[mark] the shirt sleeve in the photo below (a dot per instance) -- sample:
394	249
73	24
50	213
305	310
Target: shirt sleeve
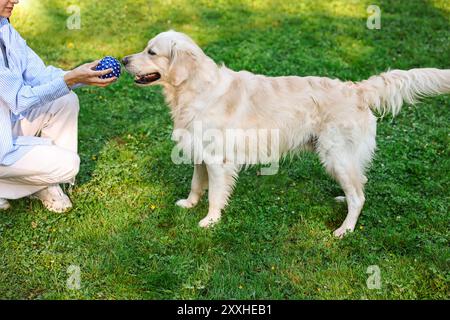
36	71
20	97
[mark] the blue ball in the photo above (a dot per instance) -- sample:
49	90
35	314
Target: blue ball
110	63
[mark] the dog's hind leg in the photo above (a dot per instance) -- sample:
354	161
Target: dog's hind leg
351	182
347	170
222	178
346	149
342	199
198	186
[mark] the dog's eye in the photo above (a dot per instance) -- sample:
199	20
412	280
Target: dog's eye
151	52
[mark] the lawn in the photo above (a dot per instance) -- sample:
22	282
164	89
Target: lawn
275	240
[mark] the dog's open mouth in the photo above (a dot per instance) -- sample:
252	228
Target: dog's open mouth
147	78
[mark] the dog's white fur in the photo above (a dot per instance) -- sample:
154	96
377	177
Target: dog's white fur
332	117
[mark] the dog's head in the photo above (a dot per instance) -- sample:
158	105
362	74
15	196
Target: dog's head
169	58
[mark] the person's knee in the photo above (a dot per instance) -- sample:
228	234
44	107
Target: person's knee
71	167
73	102
74	166
68	168
67	104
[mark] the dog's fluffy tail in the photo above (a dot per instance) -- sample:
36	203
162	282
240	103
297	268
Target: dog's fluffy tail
386	92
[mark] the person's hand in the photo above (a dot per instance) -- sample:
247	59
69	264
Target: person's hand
86	74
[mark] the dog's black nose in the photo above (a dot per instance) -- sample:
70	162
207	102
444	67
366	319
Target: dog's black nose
125	61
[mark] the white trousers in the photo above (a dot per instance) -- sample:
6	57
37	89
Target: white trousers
45	165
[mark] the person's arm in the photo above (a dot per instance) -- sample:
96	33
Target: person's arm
20	97
37	72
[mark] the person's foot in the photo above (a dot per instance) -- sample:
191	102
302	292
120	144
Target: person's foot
4	204
54	199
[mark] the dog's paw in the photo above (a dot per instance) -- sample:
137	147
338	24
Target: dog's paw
342	231
208	221
185	203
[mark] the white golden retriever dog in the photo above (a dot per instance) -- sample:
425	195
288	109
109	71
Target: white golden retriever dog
329	116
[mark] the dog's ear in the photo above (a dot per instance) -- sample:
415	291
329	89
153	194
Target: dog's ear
182	64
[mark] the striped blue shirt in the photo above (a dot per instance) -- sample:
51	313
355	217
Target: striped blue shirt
25	83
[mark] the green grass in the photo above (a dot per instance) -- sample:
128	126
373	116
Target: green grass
275	241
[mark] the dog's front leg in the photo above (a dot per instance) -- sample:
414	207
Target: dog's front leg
198	186
222	178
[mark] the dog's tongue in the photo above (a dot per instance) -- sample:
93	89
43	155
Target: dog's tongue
148	78
151	77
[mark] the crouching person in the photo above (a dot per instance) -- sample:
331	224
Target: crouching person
41	153
38	120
